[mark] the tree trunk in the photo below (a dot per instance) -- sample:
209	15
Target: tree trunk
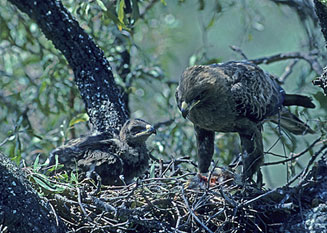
103	99
21	208
321	11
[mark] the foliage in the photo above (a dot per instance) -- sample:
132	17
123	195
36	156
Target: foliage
40	105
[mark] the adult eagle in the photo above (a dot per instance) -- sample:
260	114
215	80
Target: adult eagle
236	96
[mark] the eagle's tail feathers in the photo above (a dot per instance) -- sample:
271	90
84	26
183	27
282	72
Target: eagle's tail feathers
291	123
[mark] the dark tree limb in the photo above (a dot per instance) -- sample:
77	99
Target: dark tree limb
309	57
304	8
321	11
93	75
21	208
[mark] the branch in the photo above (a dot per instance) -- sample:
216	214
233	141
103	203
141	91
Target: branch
295	156
322	81
303	8
321	11
92	71
307	56
21	208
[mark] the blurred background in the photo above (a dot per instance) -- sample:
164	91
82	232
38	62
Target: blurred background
149	44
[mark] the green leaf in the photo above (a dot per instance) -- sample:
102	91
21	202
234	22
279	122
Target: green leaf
136	10
82	117
111	14
100	3
163	2
43	181
73	178
36	165
121	14
212	22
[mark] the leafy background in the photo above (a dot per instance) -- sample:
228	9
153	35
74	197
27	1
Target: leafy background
40	107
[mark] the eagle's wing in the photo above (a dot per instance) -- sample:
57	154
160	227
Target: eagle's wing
255	93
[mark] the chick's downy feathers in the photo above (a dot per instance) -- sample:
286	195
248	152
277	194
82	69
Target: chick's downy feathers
124	156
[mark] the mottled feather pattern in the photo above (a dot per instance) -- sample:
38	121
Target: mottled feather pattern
255	93
125	154
235	96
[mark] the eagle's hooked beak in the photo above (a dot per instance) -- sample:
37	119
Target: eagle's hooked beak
186	108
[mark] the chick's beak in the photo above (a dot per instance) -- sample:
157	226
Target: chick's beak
150	129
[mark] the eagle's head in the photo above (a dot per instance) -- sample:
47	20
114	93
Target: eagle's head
196	87
136	131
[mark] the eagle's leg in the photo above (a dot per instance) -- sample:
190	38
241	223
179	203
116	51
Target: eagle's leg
252	147
205	147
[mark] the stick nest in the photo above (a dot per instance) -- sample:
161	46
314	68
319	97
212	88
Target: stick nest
173	200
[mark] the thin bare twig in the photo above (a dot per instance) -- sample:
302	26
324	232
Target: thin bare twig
295	156
79	198
192	213
147	8
239	51
288	70
313	158
309	57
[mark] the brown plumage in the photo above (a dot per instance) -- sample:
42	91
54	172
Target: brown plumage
235	97
124	156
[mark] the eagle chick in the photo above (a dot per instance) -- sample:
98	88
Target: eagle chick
124	155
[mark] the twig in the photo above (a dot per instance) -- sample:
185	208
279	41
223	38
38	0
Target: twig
54	213
307	56
103	205
148	7
295	156
164	123
258	197
287	72
227	198
239	51
178	216
313	158
81	204
210	174
192	213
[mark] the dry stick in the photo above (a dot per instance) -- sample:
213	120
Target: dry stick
295	156
81	204
291	181
258	197
55	214
307	56
192	213
99	204
178	216
287	72
313	158
309	164
210	174
239	51
148	7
